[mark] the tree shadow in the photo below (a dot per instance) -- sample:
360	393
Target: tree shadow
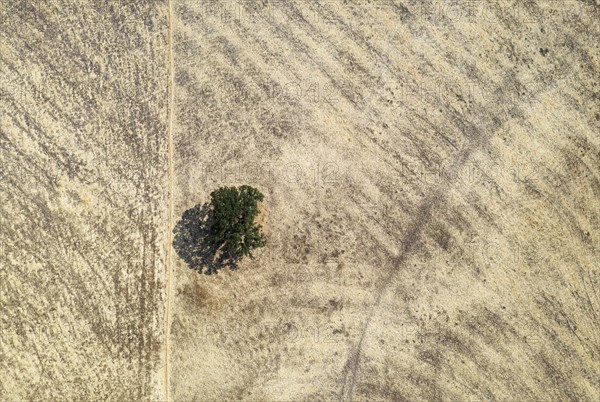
191	243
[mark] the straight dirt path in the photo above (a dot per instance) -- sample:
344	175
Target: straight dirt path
170	180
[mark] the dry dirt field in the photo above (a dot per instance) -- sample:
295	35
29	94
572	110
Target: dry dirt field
83	200
431	172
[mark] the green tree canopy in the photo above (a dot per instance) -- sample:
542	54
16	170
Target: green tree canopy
233	230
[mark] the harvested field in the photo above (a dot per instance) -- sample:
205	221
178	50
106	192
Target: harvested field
84	206
431	173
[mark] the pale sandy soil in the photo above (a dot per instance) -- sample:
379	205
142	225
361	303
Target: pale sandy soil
83	200
431	177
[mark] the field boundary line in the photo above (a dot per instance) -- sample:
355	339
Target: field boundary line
169	262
